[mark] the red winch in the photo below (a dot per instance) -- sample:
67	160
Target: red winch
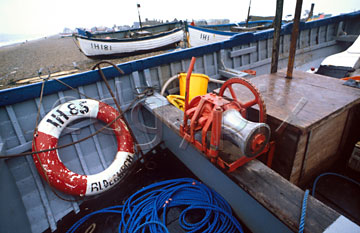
211	117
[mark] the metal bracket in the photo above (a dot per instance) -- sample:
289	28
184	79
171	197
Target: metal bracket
155	101
40	73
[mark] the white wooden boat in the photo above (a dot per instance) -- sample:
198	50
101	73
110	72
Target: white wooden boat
129	42
202	36
207	34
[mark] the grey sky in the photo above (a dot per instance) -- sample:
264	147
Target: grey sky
50	17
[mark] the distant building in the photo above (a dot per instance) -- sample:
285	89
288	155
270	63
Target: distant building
123	28
217	21
257	18
67	32
152	22
101	29
211	21
200	22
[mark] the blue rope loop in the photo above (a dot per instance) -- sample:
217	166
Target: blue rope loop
332	174
304	204
303	211
147	209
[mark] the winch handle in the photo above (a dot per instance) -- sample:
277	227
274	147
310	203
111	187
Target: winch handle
191	67
257	96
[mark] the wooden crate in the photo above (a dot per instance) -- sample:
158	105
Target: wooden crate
309	116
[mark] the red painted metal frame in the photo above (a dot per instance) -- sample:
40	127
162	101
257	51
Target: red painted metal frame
230	167
206	111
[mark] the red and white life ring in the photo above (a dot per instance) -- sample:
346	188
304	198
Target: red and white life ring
57	174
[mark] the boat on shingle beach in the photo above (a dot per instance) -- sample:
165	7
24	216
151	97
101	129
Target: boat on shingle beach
130	42
207	34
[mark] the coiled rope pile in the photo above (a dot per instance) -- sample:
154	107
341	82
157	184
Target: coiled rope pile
147	209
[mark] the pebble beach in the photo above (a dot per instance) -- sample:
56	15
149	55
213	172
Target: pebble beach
22	61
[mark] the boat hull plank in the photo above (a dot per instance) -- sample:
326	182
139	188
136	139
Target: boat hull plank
11	199
244	51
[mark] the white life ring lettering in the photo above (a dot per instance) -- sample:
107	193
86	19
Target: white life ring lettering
56	173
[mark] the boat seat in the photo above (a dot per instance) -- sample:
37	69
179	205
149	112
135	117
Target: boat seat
232	73
349	58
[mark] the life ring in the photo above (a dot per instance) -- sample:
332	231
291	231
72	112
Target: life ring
57	174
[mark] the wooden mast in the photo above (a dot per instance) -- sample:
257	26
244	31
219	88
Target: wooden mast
294	35
276	41
138	6
248	15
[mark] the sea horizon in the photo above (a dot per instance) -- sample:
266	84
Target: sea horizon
12	39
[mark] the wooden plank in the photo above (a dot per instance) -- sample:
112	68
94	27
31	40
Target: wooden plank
286	147
299	158
170	115
215	60
235	60
252	55
347	38
323	147
242	57
232	73
137	83
350	136
148	80
275	193
39	184
282	198
269	48
53	75
284	55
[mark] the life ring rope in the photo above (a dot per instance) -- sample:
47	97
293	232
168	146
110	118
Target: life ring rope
57	174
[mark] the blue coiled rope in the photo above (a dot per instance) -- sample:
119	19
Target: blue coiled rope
147	208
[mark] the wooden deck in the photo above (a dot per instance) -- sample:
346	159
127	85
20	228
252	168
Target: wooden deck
310	118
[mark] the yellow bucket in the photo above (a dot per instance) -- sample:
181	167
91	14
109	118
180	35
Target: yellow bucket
198	84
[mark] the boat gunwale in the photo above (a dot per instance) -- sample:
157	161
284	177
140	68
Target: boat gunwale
180	23
126	40
210	30
234	24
